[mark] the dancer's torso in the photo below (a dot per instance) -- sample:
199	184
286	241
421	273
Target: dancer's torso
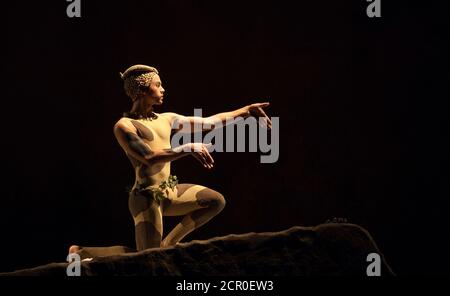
156	134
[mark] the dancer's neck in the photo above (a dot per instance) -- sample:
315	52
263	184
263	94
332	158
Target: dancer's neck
140	108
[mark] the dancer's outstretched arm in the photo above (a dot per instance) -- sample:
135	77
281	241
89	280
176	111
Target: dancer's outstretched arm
192	123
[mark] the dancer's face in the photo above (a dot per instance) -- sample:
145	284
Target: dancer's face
155	93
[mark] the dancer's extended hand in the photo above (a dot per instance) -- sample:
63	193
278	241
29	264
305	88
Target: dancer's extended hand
201	152
256	110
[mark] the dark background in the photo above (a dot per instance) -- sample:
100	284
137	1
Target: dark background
362	105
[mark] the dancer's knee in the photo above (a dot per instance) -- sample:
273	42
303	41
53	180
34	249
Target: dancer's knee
220	202
212	200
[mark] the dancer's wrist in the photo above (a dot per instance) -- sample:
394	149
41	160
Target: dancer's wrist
187	148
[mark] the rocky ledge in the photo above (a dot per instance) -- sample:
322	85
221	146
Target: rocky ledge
326	249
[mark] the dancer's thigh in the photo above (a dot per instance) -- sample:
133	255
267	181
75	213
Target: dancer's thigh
188	198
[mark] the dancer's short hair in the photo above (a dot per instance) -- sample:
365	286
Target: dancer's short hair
137	79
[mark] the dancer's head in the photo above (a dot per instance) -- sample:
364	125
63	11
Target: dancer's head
142	82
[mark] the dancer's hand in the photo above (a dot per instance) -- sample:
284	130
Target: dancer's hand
256	110
201	153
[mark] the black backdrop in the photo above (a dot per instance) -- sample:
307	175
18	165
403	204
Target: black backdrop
362	108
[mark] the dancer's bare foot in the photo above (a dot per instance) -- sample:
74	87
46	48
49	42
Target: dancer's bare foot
74	249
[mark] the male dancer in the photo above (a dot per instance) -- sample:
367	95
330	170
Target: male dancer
144	136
